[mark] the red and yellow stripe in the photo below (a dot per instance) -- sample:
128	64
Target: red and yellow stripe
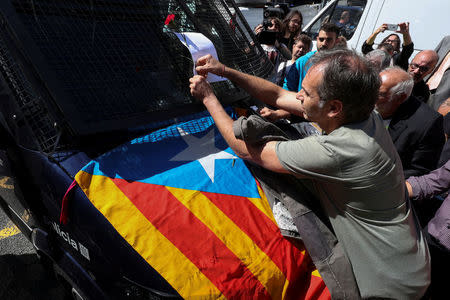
208	250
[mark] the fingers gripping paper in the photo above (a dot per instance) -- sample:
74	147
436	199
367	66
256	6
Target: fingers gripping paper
199	45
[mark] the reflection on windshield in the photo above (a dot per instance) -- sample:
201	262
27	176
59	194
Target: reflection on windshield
345	14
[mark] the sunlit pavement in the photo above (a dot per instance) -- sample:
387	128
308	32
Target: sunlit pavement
22	277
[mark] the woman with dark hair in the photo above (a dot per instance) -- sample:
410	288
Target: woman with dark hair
292	26
400	57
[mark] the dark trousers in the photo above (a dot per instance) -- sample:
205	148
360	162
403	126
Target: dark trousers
440	267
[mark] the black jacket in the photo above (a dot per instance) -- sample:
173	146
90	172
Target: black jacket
421	91
418	135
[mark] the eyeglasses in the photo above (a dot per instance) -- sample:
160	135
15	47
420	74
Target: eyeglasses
393	41
421	69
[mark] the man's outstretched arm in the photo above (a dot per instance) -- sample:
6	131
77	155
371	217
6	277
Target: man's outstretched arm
259	88
263	155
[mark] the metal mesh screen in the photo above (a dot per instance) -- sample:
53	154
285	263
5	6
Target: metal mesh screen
112	64
32	112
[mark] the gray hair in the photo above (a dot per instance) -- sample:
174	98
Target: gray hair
404	87
349	78
380	59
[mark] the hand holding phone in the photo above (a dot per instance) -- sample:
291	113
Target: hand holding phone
392	27
403	28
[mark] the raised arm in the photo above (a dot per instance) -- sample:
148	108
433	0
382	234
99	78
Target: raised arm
373	36
404	30
258	88
263	155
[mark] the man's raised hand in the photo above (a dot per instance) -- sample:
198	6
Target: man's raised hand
208	64
200	88
382	28
403	28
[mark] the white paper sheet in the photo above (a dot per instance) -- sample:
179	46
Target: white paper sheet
199	45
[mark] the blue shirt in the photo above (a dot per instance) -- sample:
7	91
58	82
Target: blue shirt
293	80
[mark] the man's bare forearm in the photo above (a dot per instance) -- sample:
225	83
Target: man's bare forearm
406	39
263	155
259	88
265	91
225	125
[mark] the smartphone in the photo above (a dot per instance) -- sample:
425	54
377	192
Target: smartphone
392	27
267	37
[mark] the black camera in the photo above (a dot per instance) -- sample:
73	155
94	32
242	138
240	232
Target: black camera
278	10
266	24
267	37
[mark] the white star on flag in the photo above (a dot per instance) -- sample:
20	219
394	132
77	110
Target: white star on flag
203	150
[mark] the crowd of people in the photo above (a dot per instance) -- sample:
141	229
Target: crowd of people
377	159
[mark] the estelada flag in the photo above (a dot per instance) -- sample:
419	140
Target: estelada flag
190	207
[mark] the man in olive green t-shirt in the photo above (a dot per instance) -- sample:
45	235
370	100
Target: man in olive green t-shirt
356	172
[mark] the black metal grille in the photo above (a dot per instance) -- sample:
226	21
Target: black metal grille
32	112
112	64
202	122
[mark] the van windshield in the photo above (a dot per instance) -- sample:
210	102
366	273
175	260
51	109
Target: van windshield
344	13
101	66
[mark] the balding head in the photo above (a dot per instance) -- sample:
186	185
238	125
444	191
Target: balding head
396	87
422	64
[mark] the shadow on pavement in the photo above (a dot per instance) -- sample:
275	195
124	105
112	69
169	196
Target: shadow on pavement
23	277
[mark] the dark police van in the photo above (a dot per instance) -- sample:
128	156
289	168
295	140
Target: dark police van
77	79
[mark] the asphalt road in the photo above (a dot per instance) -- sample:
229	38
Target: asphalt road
22	276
